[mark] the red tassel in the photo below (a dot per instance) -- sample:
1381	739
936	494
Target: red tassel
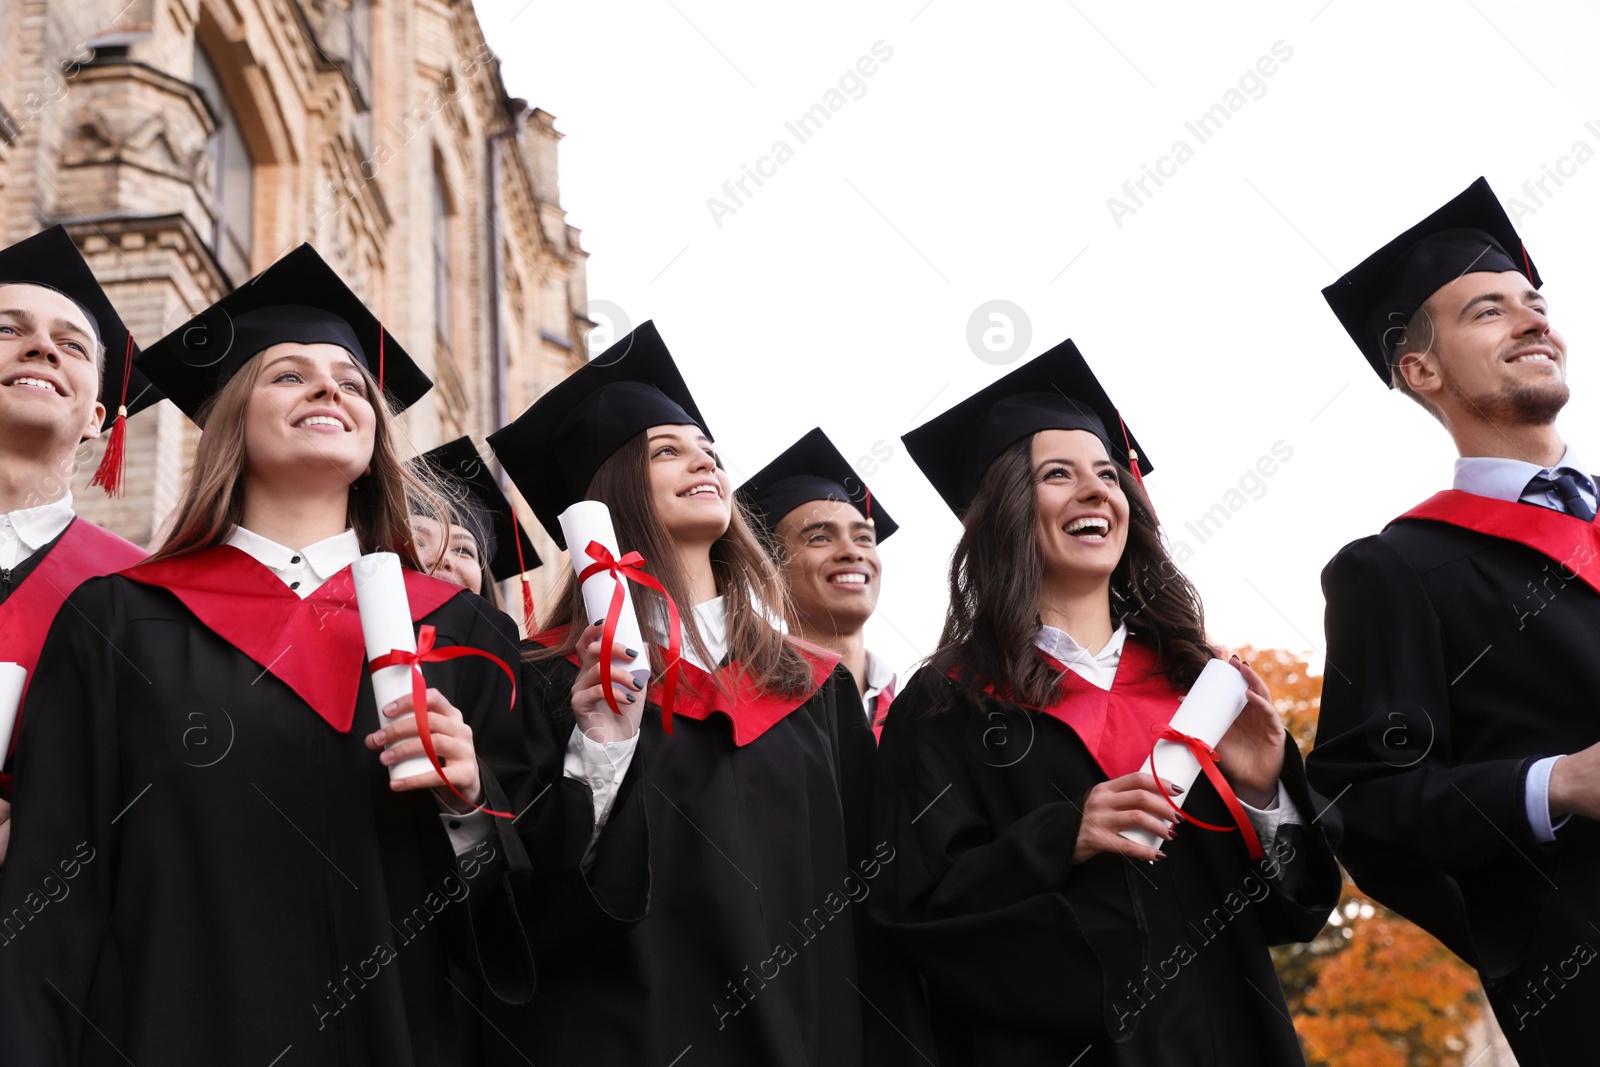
522	568
109	474
868	502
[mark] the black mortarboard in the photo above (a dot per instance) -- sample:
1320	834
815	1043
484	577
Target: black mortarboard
1470	234
297	299
810	469
50	258
1054	391
553	449
487	512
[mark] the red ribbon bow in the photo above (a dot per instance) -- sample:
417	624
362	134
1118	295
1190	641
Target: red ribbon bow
1207	757
426	653
631	566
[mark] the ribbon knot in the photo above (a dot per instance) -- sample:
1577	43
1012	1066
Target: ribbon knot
631	568
427	653
1208	759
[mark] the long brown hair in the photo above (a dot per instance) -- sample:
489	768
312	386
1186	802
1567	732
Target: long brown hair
997	573
747	579
380	502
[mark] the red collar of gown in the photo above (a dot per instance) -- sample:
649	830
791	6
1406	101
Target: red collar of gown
1566	539
312	645
1115	725
750	709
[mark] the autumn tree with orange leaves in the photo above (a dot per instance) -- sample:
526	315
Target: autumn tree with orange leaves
1372	989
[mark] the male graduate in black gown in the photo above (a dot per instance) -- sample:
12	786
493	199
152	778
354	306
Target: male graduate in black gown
1458	731
823	525
62	346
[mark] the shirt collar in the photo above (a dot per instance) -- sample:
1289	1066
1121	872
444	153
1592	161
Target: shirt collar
880	675
1059	646
323	559
37	526
1500	478
711	619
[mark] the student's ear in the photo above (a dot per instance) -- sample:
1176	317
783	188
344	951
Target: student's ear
1421	372
97	418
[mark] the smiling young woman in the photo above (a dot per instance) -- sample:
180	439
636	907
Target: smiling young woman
203	737
704	857
1016	759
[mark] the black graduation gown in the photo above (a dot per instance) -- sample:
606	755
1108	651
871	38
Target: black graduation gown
1455	660
719	917
1031	959
203	870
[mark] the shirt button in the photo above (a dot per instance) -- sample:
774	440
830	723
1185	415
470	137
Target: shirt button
294	559
294	585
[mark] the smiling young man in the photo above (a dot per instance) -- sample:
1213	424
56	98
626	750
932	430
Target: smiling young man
60	339
823	526
1458	729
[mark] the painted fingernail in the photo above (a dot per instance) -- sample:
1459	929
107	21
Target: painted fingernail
1176	788
638	685
631	654
632	698
1161	856
598	622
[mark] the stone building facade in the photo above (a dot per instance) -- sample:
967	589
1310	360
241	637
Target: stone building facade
186	144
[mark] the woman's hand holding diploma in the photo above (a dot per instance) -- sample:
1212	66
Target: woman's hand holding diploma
1131	802
1251	752
452	743
589	708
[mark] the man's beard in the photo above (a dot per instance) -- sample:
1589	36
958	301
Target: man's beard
1519	405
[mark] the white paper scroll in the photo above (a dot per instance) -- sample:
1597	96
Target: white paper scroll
386	626
590	520
13	679
1215	700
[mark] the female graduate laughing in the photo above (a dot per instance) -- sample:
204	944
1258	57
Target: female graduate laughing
1014	759
210	862
717	860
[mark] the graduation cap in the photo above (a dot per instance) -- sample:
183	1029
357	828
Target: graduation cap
552	450
486	510
1470	234
810	469
298	299
51	259
1054	391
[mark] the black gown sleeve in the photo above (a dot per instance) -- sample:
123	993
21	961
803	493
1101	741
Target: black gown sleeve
498	869
982	914
588	895
56	886
1384	741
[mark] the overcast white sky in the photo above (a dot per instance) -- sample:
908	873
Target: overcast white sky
975	163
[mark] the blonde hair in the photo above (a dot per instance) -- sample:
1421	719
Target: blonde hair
380	501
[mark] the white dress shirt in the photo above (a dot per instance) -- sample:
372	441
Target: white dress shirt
303	570
26	530
1505	479
603	766
1100	668
880	676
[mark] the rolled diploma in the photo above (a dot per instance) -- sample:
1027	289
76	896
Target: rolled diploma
385	626
1213	702
590	520
13	679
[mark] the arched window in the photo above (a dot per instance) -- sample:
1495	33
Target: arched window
441	258
233	196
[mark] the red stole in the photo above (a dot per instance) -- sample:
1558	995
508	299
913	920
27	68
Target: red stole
314	646
84	551
1116	725
751	711
881	715
1566	539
